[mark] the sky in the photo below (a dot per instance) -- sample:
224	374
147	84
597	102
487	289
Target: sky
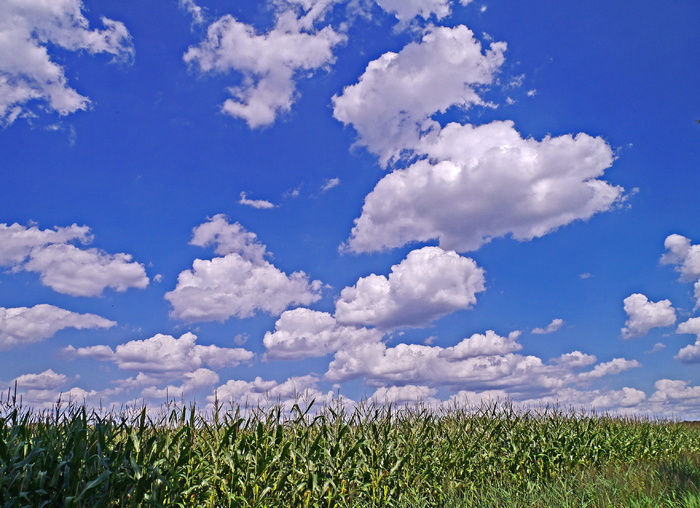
445	201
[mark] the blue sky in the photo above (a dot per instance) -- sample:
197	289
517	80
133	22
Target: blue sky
427	199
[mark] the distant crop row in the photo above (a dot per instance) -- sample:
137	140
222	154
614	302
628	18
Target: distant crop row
372	455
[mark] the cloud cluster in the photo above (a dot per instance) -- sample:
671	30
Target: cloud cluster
64	267
164	356
43	390
428	284
269	62
464	184
238	283
644	315
25	325
28	29
480	362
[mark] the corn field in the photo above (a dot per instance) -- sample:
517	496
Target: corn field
372	455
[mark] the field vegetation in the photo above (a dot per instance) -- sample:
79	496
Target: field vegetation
371	455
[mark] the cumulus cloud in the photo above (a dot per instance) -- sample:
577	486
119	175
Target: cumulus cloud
260	204
47	380
200	378
64	267
44	390
404	395
552	327
25	325
485	182
28	30
429	283
691	353
261	393
239	283
271	62
614	366
686	258
305	333
407	9
228	239
480	362
164	356
391	104
593	399
644	315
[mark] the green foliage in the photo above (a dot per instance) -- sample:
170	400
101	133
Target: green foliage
494	455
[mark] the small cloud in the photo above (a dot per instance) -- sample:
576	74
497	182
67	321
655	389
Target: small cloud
240	339
158	277
293	193
255	203
430	340
510	101
552	327
585	275
531	93
330	183
516	81
194	9
656	348
483	8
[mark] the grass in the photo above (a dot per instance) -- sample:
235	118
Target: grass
494	455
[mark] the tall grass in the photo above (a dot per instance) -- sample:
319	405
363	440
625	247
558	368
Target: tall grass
372	455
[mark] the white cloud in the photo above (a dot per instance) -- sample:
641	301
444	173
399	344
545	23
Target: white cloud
481	362
486	182
164	356
575	360
28	30
614	366
330	183
305	333
85	272
685	256
428	284
644	315
271	62
393	101
228	239
691	353
64	267
594	399
255	203
487	344
24	325
261	393
408	9
404	395
675	391
195	11
239	283
200	378
47	380
552	327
